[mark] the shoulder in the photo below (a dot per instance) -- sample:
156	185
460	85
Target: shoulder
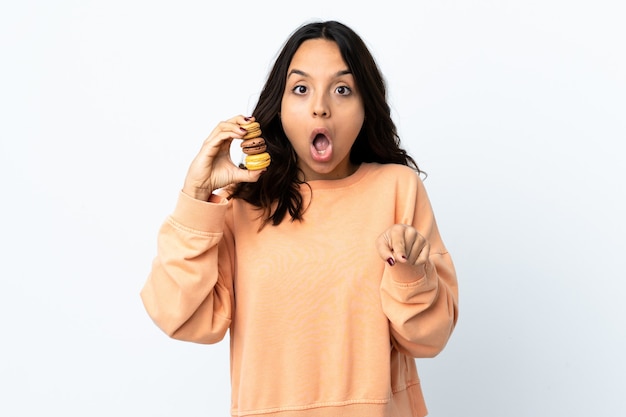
394	172
399	183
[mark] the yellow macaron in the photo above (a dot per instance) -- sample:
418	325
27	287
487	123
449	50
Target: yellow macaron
253	129
258	161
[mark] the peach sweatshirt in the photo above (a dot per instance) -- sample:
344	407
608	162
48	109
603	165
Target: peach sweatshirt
320	325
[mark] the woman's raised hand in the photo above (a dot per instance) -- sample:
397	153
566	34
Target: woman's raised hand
404	244
212	168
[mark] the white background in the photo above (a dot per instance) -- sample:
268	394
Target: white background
516	109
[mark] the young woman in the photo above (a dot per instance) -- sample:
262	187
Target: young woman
327	268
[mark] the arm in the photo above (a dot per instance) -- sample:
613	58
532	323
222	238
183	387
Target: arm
188	293
419	292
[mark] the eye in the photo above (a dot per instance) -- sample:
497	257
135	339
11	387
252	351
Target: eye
299	89
343	90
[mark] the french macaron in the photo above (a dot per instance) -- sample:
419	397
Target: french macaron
253	129
253	146
257	161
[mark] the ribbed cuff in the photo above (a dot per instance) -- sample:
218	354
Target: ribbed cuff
201	215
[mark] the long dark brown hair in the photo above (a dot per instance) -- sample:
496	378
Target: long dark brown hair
378	140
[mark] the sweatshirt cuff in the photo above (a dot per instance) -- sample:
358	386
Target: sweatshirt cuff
204	216
404	274
408	283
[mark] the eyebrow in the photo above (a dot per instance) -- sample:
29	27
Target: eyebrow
304	74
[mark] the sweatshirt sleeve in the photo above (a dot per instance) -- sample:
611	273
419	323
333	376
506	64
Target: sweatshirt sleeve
189	291
421	301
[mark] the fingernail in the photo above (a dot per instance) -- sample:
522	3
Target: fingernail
247	119
242	129
391	261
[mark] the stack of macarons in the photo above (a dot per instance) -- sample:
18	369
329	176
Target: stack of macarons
253	146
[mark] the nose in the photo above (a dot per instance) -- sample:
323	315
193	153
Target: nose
320	106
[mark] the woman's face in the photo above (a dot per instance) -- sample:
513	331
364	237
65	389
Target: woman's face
321	110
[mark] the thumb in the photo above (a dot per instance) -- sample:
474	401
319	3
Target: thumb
247	175
383	245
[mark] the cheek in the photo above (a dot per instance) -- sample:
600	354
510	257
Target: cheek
290	117
292	108
286	108
354	126
355	116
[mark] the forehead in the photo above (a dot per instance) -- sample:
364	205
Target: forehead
315	53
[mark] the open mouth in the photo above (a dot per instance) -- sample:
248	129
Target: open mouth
321	146
321	143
